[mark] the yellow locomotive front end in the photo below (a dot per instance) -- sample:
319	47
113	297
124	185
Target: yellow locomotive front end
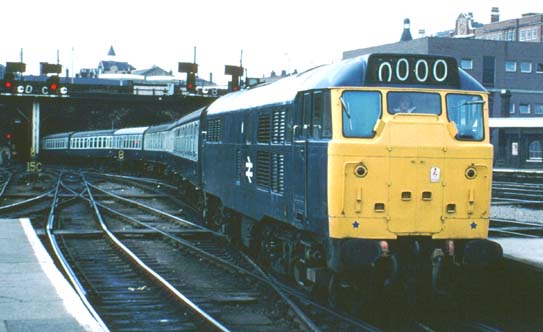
422	170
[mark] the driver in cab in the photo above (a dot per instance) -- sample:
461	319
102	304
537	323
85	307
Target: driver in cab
405	105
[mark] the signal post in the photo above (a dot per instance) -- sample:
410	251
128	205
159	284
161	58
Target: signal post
13	86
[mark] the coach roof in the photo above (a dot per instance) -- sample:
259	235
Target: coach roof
130	131
93	133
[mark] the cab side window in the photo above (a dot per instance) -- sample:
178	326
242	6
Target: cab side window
316	115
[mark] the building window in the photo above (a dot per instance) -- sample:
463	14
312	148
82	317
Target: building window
510	66
538	108
534	151
524	108
466	64
512	108
489	68
522	35
525	67
510	35
539	68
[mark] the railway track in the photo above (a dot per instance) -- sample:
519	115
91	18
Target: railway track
212	246
123	294
26	194
513	228
517	193
236	296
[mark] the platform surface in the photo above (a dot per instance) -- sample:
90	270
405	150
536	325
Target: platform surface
528	251
34	296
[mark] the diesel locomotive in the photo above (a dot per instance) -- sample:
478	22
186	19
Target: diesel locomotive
347	177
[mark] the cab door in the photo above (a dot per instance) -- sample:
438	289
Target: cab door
311	135
299	154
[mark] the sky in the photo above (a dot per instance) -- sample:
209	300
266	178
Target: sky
265	35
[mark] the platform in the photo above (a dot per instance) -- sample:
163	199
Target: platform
34	295
527	251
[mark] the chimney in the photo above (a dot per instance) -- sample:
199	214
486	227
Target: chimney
406	35
495	15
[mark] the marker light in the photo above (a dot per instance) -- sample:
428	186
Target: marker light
471	173
360	171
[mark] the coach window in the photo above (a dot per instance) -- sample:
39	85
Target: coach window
466	112
361	110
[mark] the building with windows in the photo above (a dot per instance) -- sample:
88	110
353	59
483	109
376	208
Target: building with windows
528	28
512	72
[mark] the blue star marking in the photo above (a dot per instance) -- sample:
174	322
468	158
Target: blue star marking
473	225
356	224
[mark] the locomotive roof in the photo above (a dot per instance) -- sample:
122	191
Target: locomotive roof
346	73
130	131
